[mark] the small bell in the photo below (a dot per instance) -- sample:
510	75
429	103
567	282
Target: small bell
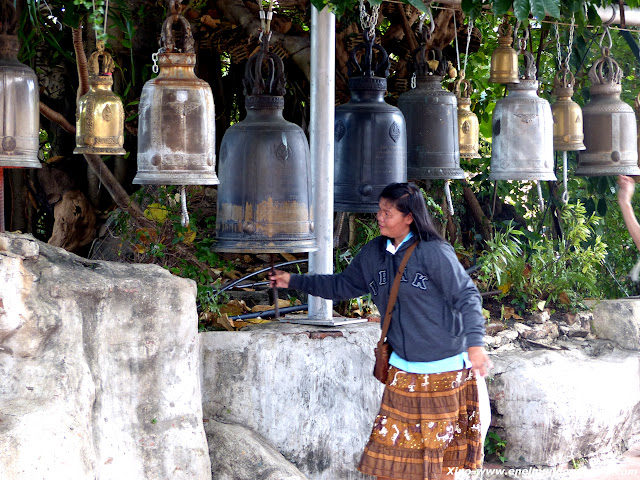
468	125
610	131
504	59
20	102
567	114
176	127
432	121
522	124
100	115
370	135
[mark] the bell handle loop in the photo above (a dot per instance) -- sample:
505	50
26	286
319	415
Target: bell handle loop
107	67
365	67
254	81
423	56
564	78
505	29
606	33
168	40
530	69
605	70
462	88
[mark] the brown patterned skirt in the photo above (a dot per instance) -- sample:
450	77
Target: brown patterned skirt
427	424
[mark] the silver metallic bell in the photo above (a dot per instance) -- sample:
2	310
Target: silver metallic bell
523	131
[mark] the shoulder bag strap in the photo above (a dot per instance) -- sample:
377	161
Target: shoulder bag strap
394	292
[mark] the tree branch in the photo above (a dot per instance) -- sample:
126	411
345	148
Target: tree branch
57	117
81	62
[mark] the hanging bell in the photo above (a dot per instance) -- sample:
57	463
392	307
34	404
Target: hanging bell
100	115
370	135
610	131
522	124
176	126
264	199
504	59
468	125
567	114
20	105
431	114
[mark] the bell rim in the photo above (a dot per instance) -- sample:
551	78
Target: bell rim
268	246
12	162
81	150
160	178
523	177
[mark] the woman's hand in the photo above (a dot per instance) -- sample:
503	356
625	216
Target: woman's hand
279	279
627	187
480	361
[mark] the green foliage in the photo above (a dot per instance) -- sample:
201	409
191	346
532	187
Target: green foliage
560	272
495	445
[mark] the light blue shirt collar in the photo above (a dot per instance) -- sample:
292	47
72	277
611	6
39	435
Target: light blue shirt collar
391	249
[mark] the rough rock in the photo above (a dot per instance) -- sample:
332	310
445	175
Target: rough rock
552	407
618	321
237	453
310	392
99	369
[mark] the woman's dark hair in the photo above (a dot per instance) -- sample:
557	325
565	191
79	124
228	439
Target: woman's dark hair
407	198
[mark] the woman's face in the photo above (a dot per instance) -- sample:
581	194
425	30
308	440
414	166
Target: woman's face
392	222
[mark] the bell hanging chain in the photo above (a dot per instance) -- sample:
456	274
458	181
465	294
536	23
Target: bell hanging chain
432	26
564	64
369	22
466	51
265	20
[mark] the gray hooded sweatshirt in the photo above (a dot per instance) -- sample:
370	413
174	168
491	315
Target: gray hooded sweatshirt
438	313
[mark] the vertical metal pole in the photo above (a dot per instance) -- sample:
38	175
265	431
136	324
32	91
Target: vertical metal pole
1	200
323	60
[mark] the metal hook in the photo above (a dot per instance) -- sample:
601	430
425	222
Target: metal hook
608	34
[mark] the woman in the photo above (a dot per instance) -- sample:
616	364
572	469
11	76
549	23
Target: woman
428	425
625	194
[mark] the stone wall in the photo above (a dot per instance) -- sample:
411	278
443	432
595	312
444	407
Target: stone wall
99	369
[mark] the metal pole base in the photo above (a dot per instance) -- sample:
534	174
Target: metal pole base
332	322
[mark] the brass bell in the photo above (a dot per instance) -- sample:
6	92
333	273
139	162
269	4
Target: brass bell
20	107
264	199
610	131
504	59
176	127
567	114
522	147
100	115
432	122
468	125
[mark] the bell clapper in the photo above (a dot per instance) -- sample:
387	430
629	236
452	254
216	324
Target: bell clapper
565	194
184	220
540	197
275	290
447	192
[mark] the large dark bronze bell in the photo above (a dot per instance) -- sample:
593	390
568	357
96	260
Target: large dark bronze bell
522	146
370	135
19	108
264	198
431	113
610	131
176	127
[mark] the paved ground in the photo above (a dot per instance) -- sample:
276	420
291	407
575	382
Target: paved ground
626	467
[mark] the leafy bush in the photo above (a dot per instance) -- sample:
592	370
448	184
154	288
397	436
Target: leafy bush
559	271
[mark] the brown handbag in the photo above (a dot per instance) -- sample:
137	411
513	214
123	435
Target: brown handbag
382	351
